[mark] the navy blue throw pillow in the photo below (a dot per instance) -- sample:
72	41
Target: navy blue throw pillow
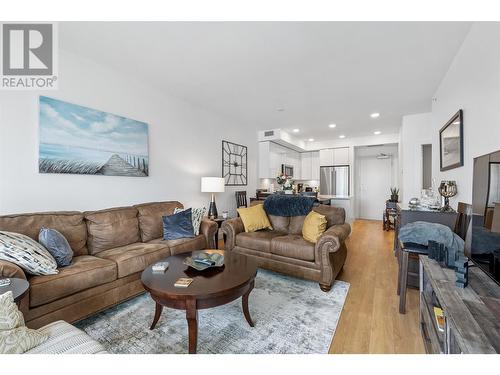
179	225
57	245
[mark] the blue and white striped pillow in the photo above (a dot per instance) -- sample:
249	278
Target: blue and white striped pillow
27	254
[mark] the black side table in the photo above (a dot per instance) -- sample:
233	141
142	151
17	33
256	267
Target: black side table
18	287
219	220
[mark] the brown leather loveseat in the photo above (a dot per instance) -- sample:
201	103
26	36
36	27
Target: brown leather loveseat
111	248
283	249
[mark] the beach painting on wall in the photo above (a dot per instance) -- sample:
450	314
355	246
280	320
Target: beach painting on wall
80	140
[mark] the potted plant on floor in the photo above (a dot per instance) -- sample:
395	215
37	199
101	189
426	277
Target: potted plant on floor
394	194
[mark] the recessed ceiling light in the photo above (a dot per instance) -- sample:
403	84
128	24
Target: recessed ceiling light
342	136
311	139
377	132
332	125
295	130
375	115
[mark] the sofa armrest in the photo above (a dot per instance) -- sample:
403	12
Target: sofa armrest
8	269
209	228
231	228
330	252
331	240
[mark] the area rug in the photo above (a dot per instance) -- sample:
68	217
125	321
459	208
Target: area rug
290	315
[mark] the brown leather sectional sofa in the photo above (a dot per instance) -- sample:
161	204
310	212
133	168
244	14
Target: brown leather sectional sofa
111	248
283	249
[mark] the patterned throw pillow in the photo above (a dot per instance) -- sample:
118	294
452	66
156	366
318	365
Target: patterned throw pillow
15	337
27	254
197	216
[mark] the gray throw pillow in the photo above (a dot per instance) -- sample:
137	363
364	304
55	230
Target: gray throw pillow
57	245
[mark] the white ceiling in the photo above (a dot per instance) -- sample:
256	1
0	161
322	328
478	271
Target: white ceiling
318	72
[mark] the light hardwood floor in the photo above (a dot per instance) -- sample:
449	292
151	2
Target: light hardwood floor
370	321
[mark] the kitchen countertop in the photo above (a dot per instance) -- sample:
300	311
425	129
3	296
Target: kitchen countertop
344	197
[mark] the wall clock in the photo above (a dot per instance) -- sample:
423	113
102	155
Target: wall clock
234	164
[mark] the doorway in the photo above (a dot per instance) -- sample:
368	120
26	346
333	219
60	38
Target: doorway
377	168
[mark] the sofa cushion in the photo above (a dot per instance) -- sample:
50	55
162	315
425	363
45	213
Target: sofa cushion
296	224
279	223
150	218
63	338
183	245
135	257
314	226
254	218
57	245
334	215
84	272
293	246
15	337
27	254
111	228
70	224
260	240
178	226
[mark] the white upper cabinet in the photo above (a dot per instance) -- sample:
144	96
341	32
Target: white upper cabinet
309	165
264	160
341	156
326	157
306	166
315	165
272	156
334	156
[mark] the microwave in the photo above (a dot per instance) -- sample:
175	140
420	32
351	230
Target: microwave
287	169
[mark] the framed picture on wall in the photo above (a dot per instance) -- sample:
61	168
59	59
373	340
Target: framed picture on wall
451	143
81	140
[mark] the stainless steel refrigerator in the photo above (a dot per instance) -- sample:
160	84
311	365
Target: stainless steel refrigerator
334	181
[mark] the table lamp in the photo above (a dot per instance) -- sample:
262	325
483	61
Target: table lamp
212	185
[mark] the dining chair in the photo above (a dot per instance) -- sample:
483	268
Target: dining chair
241	199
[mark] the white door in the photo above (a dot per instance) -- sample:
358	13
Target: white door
375	181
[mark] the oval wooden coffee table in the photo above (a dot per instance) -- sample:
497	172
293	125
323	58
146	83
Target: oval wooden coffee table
211	287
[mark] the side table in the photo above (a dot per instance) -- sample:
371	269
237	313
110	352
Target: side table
219	220
18	287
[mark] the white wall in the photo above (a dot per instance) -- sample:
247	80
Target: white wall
184	145
416	130
473	84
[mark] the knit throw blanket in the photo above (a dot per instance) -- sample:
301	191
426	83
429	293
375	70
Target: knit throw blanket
288	205
421	232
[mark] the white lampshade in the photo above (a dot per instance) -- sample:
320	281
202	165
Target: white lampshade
212	185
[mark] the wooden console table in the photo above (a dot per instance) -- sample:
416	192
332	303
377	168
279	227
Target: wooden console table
471	315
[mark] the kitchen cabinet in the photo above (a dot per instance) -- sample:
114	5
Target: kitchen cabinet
341	156
326	157
334	156
315	165
309	165
306	166
273	155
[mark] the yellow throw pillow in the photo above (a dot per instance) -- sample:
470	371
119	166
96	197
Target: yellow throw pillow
314	226
254	218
